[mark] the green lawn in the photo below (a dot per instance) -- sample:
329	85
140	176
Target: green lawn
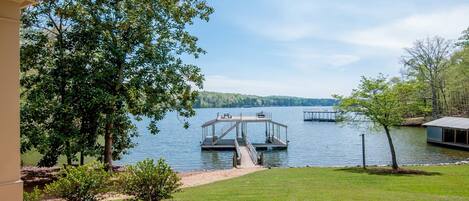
447	183
32	157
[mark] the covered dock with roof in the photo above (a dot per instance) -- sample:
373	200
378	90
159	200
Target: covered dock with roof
215	132
449	131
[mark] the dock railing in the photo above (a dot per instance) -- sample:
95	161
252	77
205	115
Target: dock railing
252	152
244	116
237	153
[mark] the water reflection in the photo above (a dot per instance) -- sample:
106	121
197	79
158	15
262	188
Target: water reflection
216	159
275	158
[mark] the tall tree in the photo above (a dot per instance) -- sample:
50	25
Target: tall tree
49	65
378	100
137	65
428	59
87	65
464	39
457	77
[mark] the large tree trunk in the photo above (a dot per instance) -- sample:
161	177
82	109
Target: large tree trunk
108	143
391	146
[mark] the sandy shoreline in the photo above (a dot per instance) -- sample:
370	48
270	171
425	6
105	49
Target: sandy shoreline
191	179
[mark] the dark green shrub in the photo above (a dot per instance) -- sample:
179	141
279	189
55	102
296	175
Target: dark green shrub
35	195
82	183
149	181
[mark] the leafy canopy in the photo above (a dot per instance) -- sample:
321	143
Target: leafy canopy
376	99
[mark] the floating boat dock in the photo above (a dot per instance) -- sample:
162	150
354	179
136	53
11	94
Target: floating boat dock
321	115
215	132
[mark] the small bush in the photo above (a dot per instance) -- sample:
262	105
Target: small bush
35	195
150	182
80	183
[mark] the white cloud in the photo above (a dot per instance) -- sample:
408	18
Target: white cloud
403	32
244	86
283	20
307	58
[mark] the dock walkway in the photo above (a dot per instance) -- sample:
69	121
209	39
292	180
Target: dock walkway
246	161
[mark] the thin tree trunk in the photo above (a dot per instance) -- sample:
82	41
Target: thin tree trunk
108	144
445	111
391	146
435	106
82	158
68	153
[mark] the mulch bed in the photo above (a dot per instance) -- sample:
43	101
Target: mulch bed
388	171
38	176
41	176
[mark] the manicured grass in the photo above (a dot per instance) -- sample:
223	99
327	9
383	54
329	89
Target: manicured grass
31	158
444	183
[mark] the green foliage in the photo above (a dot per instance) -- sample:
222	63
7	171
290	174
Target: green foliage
410	94
457	83
441	72
87	65
380	101
50	70
149	181
376	99
464	39
35	195
82	183
427	61
221	100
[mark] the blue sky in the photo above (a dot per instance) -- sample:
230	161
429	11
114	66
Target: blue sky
315	48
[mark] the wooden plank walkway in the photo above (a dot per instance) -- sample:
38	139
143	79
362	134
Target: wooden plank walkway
246	161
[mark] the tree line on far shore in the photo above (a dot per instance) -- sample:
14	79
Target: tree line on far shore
207	99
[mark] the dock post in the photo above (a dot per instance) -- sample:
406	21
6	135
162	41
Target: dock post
237	130
213	133
286	135
363	150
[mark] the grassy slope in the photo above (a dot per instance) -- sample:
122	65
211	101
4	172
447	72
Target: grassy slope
452	183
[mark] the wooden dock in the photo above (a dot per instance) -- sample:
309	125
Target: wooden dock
215	138
321	115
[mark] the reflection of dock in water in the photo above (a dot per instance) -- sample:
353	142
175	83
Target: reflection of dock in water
245	152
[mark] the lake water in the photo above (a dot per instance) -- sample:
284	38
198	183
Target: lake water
311	143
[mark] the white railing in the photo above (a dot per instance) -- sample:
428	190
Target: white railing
252	152
238	152
225	128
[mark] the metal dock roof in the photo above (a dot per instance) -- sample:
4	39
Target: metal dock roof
450	122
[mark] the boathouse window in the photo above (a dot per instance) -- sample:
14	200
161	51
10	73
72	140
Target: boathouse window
448	135
461	136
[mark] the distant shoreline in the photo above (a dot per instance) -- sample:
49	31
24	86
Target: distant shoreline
266	106
207	99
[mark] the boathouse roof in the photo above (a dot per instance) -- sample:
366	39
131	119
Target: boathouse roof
450	122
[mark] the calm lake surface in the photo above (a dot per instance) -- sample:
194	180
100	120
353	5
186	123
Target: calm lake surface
311	143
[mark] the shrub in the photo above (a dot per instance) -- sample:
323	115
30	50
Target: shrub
80	183
150	182
35	195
